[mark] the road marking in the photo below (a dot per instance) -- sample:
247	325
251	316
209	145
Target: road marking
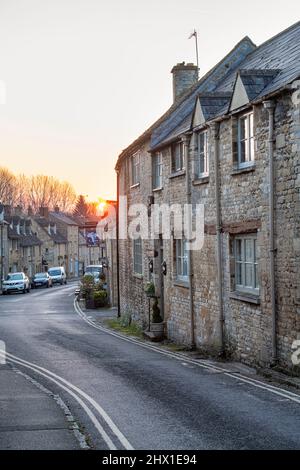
69	387
178	356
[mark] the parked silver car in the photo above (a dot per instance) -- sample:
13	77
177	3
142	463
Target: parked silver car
16	282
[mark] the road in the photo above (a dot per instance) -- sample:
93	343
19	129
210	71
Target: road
126	396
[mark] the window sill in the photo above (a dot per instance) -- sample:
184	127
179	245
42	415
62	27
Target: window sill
156	190
199	181
135	186
176	174
245	169
138	276
178	283
244	297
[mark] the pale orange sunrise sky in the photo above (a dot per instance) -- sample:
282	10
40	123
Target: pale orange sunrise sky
83	78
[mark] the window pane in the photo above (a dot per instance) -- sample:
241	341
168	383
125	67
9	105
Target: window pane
251	158
256	277
251	130
249	281
243	152
238	244
239	273
243	128
249	250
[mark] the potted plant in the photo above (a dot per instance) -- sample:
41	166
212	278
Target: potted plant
100	298
157	324
87	289
150	289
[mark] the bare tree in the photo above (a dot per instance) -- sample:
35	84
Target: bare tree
36	191
7	186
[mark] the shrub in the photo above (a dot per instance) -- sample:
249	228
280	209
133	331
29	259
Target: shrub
156	317
100	298
150	289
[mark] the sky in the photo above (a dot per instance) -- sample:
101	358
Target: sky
83	78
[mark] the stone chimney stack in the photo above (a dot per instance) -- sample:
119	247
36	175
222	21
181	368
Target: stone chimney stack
44	212
184	77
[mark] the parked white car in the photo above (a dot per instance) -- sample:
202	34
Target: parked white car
16	282
58	275
95	270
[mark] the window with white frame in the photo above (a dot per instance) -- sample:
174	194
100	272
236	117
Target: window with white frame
246	270
157	166
202	159
137	256
182	261
245	140
135	169
177	151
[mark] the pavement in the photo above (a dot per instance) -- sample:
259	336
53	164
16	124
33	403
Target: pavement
124	393
31	417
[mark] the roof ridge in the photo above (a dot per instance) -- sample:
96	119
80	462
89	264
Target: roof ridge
281	33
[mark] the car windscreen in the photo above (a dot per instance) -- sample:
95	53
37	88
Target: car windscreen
93	269
54	272
14	277
40	275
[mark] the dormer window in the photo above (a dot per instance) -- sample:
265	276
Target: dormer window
245	140
177	151
202	159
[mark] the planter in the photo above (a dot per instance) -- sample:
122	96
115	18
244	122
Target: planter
89	303
158	329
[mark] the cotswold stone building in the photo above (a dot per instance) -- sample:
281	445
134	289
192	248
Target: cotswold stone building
54	244
231	142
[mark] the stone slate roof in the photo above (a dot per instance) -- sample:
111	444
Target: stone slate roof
183	112
62	217
26	239
255	81
57	237
213	103
182	109
264	70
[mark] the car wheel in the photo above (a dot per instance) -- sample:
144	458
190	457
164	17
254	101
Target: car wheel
24	290
28	290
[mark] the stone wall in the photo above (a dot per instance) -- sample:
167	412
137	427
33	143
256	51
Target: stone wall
244	209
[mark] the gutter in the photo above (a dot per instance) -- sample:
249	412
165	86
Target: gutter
190	258
270	107
215	130
117	236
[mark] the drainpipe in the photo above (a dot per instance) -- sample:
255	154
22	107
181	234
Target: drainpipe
190	258
215	132
270	106
117	243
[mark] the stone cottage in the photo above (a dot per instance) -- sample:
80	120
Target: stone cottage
70	231
229	143
54	248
